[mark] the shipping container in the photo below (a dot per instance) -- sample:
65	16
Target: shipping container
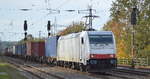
29	53
51	47
23	49
35	48
18	49
9	51
14	50
41	50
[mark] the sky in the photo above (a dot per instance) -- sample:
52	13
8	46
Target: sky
12	16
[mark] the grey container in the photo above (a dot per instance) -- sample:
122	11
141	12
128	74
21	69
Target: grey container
51	47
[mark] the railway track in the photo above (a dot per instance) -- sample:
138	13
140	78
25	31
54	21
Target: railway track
129	74
26	70
125	73
44	74
110	75
132	71
34	71
120	75
53	75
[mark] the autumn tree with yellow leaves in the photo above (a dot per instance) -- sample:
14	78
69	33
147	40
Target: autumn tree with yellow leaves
122	28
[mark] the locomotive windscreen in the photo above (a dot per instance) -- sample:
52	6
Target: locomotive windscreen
101	39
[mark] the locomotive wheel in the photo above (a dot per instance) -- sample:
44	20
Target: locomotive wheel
72	66
87	69
82	68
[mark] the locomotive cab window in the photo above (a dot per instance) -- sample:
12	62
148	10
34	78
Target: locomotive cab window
82	40
101	39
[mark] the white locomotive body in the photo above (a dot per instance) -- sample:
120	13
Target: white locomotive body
92	51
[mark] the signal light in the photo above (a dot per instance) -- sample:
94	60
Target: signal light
49	26
133	16
25	25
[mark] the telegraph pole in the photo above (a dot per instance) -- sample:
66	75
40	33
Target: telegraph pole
40	34
55	26
133	23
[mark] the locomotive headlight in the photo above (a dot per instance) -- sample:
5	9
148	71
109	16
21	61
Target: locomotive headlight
111	56
92	56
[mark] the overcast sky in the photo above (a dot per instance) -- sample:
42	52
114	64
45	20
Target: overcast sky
12	17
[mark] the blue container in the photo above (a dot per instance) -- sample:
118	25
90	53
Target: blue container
51	47
23	49
18	49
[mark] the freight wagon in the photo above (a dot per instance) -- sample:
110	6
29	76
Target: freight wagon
35	50
19	50
91	51
8	51
51	49
14	50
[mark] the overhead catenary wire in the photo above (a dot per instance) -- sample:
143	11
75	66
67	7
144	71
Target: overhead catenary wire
39	20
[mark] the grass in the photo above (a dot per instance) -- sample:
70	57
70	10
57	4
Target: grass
4	77
8	72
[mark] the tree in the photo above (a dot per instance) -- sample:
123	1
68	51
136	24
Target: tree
121	26
74	28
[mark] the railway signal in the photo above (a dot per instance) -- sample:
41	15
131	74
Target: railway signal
49	28
133	22
25	29
133	16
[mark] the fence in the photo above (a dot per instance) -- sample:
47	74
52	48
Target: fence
137	61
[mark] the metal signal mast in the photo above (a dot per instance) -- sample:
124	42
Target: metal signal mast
133	22
89	17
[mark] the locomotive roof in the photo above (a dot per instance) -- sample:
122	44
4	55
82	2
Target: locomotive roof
73	35
99	32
